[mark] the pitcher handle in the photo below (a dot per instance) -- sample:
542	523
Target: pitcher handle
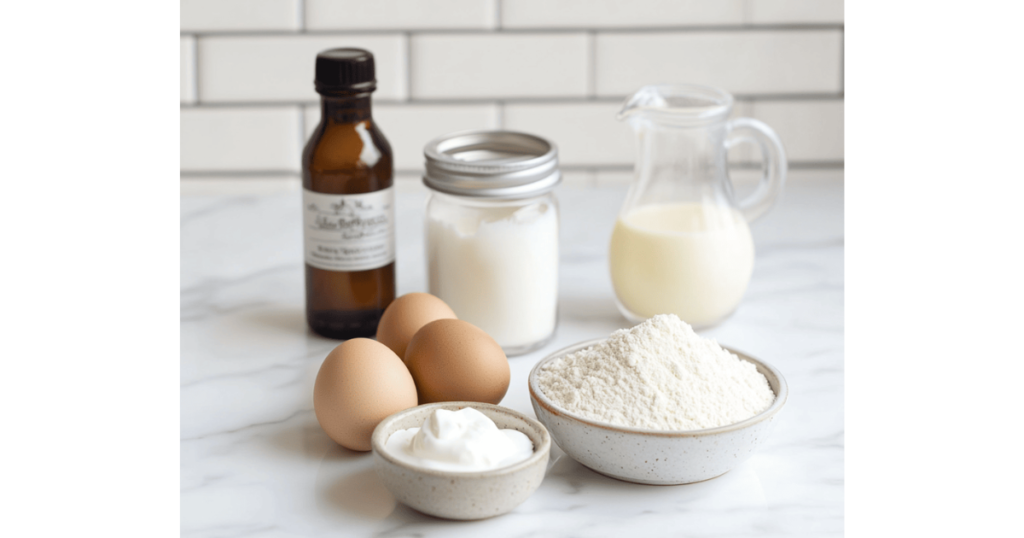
773	155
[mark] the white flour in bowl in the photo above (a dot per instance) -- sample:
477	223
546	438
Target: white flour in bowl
658	375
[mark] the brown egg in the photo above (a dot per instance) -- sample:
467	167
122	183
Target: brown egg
406	315
453	360
359	384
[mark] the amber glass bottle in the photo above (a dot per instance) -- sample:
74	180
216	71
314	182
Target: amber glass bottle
348	203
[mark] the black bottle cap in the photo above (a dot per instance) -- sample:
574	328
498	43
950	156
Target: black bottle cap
344	71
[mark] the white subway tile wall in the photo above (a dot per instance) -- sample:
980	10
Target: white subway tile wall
245	139
273	68
585	133
240	15
811	130
400	14
749	63
557	68
796	12
619	13
188	68
499	65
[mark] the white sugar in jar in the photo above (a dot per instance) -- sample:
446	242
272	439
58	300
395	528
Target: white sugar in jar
492	233
496	264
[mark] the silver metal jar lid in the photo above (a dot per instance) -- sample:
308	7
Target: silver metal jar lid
491	164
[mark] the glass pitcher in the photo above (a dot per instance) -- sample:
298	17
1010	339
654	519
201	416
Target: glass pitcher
682	243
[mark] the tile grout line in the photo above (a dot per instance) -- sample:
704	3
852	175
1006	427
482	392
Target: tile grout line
726	28
497	14
301	7
470	101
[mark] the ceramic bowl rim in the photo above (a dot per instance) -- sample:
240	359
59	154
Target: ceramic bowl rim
541	399
380	436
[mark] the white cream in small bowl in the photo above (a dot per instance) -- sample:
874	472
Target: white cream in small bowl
462	440
489	482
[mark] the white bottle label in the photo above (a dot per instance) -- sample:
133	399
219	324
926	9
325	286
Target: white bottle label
349	232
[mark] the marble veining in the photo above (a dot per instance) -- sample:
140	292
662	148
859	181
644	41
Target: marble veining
255	463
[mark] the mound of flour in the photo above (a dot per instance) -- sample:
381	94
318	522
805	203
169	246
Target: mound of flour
658	375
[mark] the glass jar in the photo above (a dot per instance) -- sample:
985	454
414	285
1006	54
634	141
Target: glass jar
492	233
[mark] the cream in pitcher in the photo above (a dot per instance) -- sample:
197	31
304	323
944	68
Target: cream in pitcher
681	244
689	259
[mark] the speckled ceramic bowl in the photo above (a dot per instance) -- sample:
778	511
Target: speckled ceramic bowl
656	456
462	495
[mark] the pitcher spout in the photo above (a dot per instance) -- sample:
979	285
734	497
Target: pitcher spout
683	104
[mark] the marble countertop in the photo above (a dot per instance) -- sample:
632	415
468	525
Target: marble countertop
254	461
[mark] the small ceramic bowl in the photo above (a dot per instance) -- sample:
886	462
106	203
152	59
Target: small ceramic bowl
656	456
462	494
